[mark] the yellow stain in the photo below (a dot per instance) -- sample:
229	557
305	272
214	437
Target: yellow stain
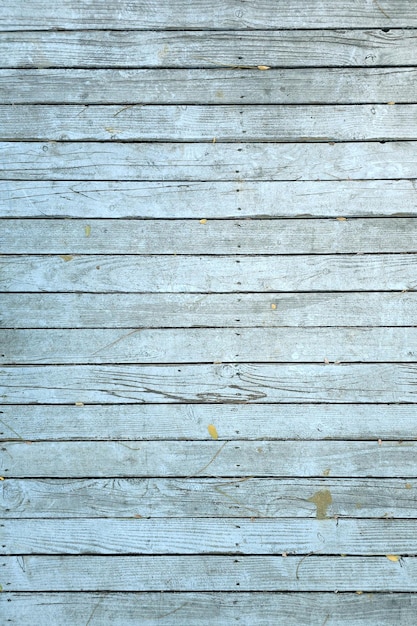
212	431
66	257
203	221
87	230
322	499
393	557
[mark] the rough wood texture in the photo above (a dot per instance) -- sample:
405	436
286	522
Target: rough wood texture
207	49
207	123
215	162
206	497
84	310
208	345
209	237
189	422
207	274
296	86
207	573
200	609
209	334
100	459
218	383
214	14
297	199
202	536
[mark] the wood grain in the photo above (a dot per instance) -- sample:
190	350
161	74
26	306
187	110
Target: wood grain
205	123
212	86
207	274
215	14
199	609
165	310
360	198
189	422
160	161
202	536
265	383
206	498
207	573
101	459
235	51
212	237
278	345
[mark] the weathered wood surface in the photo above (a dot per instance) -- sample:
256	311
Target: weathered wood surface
207	123
238	162
207	573
317	236
160	86
190	422
207	498
201	536
208	49
101	459
249	385
360	198
215	14
218	383
84	310
208	274
200	609
280	345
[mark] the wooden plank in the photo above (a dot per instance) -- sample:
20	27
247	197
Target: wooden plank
199	274
214	86
219	162
361	198
207	573
206	123
318	236
286	345
200	609
218	383
190	422
216	14
78	310
206	498
208	49
202	536
104	459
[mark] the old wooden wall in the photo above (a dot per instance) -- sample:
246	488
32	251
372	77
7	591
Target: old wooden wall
209	312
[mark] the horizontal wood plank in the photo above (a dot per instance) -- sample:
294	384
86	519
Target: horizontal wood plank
208	49
199	609
279	345
207	123
218	383
214	86
201	536
196	162
205	199
79	310
217	14
207	274
190	422
100	459
207	573
318	236
207	498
